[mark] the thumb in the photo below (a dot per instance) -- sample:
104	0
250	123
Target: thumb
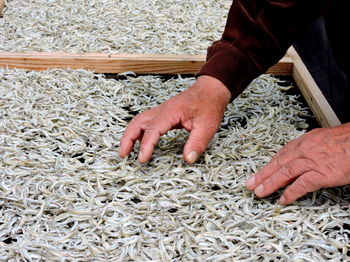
199	138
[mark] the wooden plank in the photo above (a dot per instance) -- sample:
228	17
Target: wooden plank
2	5
311	92
104	63
117	63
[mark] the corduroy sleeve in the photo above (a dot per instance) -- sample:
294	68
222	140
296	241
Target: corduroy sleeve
257	34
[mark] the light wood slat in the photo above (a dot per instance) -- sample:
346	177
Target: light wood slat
2	5
117	63
311	92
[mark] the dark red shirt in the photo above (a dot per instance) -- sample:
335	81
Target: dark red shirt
257	35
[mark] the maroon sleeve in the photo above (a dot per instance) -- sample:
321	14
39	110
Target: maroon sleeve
257	34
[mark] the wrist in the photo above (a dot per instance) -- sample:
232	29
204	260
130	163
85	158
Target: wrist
215	88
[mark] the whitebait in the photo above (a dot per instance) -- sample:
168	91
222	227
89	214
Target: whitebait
65	195
109	26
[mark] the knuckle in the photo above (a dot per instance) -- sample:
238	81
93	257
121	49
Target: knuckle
305	183
297	167
150	130
137	120
199	144
149	126
269	186
328	179
289	171
278	160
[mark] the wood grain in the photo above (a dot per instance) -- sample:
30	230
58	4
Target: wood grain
311	92
2	5
117	63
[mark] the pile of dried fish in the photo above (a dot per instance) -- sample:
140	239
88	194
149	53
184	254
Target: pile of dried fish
111	26
65	195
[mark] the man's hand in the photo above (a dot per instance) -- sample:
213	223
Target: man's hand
317	159
198	109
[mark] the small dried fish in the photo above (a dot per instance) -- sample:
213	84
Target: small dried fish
109	26
65	195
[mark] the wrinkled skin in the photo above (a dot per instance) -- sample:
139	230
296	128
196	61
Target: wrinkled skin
198	109
317	159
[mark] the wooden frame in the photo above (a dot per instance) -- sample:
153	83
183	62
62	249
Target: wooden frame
291	65
2	5
117	63
312	94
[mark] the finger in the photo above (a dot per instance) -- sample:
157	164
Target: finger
152	132
134	131
131	134
200	135
283	176
308	182
276	163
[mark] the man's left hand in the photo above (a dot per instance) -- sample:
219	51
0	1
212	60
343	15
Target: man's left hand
317	159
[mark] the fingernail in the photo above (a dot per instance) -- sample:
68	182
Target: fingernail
282	200
250	182
120	151
192	157
259	190
140	157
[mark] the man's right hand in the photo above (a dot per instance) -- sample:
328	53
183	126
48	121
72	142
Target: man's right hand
198	109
